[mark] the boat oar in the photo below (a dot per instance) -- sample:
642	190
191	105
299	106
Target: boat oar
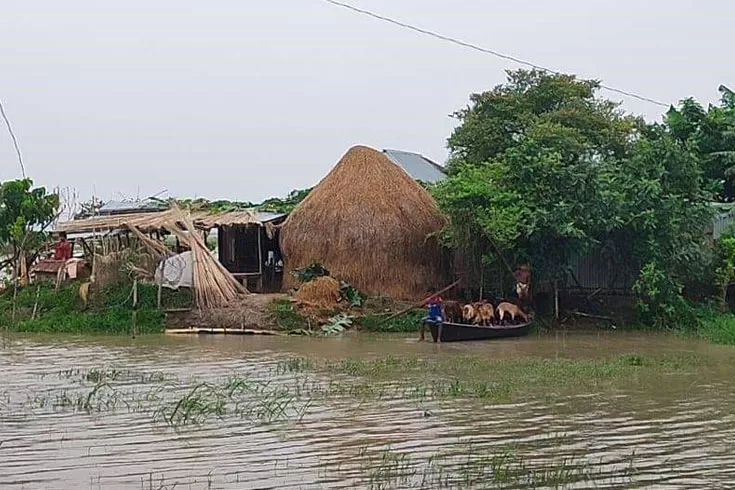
417	305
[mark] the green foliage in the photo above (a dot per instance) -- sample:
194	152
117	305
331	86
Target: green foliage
711	134
543	170
62	312
273	204
285	205
310	272
25	213
715	326
559	111
725	264
660	302
337	324
350	294
411	322
285	317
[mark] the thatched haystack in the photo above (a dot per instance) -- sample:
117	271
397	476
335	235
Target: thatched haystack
322	292
368	222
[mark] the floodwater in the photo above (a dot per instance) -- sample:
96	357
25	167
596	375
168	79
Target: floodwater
101	413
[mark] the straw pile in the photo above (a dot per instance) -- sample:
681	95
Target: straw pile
214	286
107	270
322	292
369	223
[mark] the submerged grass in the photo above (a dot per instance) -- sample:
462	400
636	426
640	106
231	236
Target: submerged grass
469	466
492	379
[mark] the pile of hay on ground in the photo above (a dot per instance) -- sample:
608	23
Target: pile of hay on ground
369	223
322	292
107	270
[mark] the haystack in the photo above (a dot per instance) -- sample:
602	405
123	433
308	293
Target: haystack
322	292
369	223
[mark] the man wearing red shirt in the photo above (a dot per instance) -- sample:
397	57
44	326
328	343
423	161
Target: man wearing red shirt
62	248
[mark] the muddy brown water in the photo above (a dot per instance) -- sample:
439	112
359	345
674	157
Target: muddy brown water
677	433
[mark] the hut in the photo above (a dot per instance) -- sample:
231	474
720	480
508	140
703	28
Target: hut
371	224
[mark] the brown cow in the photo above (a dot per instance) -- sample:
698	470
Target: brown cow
511	310
485	313
452	311
468	313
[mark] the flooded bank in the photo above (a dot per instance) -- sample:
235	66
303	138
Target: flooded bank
613	410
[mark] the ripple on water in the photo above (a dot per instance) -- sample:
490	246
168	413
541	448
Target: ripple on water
661	439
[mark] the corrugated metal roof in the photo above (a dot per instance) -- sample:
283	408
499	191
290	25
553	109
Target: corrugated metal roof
722	222
417	166
123	207
267	216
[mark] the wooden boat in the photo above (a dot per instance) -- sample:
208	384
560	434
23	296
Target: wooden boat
457	332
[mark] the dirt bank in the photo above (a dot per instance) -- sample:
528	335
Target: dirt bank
253	311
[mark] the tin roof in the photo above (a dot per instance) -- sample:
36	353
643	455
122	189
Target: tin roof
126	207
417	166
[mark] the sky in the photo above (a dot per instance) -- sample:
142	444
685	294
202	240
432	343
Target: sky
250	99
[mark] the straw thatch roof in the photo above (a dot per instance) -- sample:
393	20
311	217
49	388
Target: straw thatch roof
214	286
157	221
369	223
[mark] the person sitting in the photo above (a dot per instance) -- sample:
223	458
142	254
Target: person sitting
62	248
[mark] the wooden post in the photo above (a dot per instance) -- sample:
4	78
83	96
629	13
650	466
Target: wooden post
158	296
15	290
260	261
135	307
556	300
35	305
482	279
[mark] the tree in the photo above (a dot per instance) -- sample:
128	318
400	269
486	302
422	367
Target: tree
558	111
711	134
543	170
525	170
25	214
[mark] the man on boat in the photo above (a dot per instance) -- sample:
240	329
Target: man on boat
434	306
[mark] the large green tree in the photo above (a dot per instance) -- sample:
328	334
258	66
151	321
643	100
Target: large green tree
25	215
558	111
711	134
543	169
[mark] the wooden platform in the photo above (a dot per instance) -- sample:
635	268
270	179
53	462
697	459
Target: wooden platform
218	331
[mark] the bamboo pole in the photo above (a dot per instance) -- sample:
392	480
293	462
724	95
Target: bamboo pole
15	288
422	303
135	307
35	305
260	260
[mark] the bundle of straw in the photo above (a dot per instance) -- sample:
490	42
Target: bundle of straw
322	292
214	286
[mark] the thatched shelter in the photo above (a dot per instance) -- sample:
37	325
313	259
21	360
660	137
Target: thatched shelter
370	224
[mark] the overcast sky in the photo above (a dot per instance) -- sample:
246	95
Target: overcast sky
248	99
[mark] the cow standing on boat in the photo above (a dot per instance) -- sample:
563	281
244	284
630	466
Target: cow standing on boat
452	312
484	313
509	309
